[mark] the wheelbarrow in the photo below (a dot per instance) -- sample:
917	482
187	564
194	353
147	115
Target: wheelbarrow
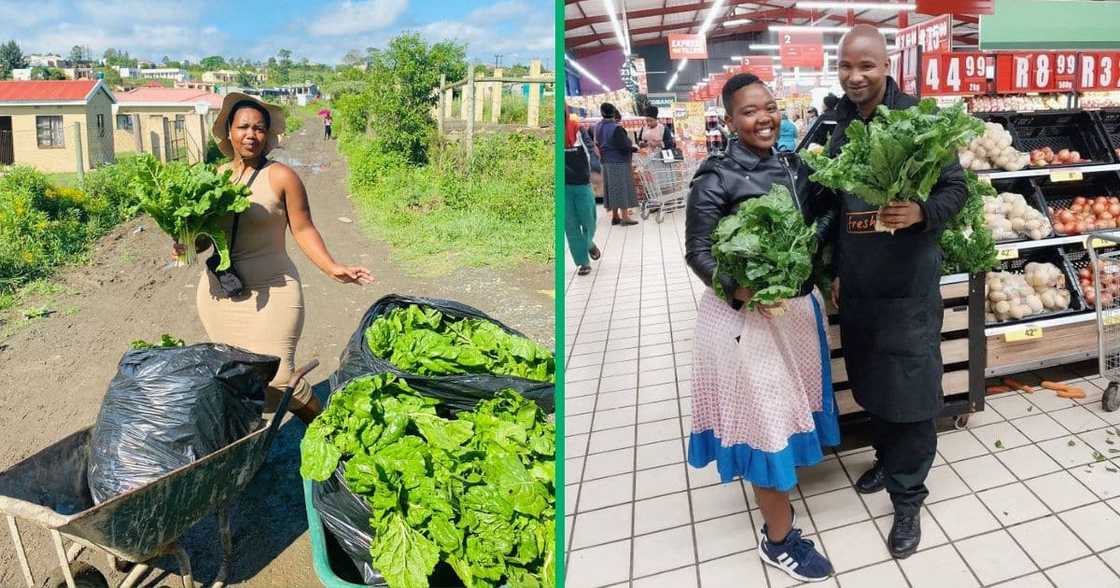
50	489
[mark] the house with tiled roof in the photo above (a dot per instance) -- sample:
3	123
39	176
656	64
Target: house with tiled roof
56	125
170	123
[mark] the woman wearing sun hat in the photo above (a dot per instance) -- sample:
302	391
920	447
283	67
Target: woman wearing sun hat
268	317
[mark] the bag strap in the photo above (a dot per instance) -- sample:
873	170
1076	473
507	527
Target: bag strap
237	217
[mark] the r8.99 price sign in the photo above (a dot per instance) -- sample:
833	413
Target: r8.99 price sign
955	74
1036	72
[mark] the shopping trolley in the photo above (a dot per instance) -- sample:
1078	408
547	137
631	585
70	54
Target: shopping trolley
1106	270
664	184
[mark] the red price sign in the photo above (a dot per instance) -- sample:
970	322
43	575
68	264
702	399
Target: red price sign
956	6
1035	72
954	74
688	47
933	35
908	70
802	50
1098	71
759	65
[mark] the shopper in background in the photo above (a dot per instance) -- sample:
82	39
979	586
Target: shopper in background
888	293
579	200
830	103
617	152
654	135
762	401
787	138
811	118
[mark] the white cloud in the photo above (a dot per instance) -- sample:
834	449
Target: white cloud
500	11
17	17
357	16
522	44
99	12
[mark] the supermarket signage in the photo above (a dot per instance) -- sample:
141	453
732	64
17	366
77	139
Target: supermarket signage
688	47
904	69
1098	70
1024	333
956	6
954	74
759	65
933	35
1005	254
1065	176
802	50
1019	72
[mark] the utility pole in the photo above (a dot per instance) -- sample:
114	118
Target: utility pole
497	60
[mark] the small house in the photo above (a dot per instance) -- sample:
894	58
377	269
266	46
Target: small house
53	125
170	123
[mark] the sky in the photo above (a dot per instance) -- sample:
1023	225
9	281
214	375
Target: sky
320	30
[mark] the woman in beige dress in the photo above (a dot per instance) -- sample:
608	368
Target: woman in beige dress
268	317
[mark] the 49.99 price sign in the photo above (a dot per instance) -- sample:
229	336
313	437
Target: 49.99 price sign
1036	72
954	74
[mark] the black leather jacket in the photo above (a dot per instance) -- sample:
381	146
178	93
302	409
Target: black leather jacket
727	179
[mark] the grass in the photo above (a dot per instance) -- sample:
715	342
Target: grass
66	179
515	110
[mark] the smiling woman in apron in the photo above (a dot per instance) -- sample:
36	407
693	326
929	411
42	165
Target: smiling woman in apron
762	402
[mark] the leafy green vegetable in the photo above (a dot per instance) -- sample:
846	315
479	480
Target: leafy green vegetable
765	247
424	341
476	492
165	340
899	155
189	201
967	241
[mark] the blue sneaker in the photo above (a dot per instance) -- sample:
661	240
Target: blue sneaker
796	557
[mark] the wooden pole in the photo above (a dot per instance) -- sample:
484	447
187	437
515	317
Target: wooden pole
468	100
448	103
496	99
439	104
480	100
534	95
78	151
463	107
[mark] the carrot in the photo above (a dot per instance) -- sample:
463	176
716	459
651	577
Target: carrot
998	389
1055	386
1017	385
1072	393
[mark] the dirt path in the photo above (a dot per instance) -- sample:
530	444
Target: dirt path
55	370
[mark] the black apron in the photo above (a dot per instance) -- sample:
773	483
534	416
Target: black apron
890	307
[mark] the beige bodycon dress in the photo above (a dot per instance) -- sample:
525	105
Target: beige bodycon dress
268	318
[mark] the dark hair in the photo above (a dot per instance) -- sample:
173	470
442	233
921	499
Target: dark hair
831	101
248	104
607	110
652	111
813	109
736	83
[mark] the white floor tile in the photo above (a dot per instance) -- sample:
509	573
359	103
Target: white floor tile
725	535
660	480
606	492
656	411
854	546
1028	462
719	500
598	566
610	463
994	557
735	571
601	526
660	453
705	476
1068	451
1036	580
1060	491
663	550
659	431
679	578
1078	419
963	517
823	477
1048	541
836	508
663	512
999	436
943	483
1090	571
959	445
1103	478
981	473
1040	427
1049	401
616	399
940	567
1096	524
1013	504
1010	407
611	439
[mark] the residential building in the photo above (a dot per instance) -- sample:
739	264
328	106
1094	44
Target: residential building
196	85
44	60
79	73
163	73
300	93
170	123
22	74
46	124
229	76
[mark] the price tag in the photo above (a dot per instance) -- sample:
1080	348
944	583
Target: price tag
1065	176
1111	320
1024	333
1003	254
1098	243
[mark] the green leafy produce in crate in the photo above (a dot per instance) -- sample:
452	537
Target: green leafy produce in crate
476	491
967	241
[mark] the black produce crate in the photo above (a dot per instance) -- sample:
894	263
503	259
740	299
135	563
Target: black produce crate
1059	195
1075	130
1109	120
1030	193
1056	256
1078	260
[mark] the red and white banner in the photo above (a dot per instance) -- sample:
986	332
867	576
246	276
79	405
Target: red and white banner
1040	72
759	65
688	47
956	6
954	74
904	69
802	50
933	36
1098	71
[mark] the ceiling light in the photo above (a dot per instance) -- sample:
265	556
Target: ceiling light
766	47
672	81
623	42
583	72
855	5
736	23
813	29
710	17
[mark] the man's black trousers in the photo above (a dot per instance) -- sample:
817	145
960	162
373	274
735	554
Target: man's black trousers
906	451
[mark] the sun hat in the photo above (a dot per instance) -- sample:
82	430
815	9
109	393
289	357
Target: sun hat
220	129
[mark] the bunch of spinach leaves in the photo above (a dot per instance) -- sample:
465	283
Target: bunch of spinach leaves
899	155
476	491
766	247
424	341
165	340
967	242
189	201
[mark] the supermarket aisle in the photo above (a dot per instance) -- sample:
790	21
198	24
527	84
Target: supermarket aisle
1028	495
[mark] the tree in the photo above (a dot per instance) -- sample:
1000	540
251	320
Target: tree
76	53
112	77
165	61
47	73
11	57
246	79
213	62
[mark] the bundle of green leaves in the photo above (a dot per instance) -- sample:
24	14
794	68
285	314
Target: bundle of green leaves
477	491
967	242
424	341
900	155
765	247
189	201
165	340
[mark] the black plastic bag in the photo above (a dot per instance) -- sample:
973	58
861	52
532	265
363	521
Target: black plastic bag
345	514
459	392
170	406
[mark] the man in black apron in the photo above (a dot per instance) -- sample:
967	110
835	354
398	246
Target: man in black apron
889	297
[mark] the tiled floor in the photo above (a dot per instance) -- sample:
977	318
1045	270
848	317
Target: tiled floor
1028	495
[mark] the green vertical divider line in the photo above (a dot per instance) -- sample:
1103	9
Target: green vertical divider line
559	120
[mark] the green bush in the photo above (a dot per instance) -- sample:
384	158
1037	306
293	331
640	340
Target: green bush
214	155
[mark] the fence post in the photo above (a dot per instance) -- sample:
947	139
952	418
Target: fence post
480	90
534	94
448	103
463	98
78	151
439	104
496	99
468	99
